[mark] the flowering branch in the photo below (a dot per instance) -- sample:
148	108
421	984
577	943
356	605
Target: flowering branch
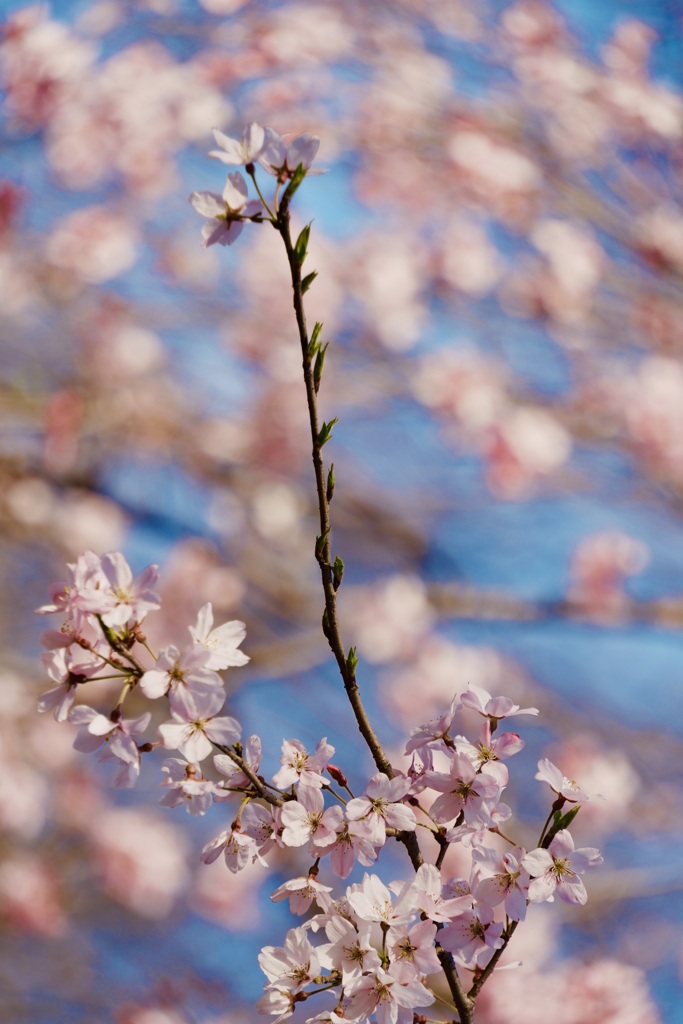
454	783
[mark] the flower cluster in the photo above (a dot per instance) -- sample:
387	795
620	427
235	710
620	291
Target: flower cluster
227	212
381	943
100	639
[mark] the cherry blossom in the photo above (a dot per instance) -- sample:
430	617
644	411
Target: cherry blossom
237	847
380	807
233	151
301	893
429	898
558	869
349	949
281	158
123	601
494	708
293	965
226	212
372	901
69	669
185	676
414	947
305	819
560	784
500	878
194	732
386	995
222	643
96	729
236	778
300	766
473	937
187	787
464	789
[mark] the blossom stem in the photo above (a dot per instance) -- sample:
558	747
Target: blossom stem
323	553
323	549
258	785
481	979
252	174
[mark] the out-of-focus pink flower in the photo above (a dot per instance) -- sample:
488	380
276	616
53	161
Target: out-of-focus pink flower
141	858
599	992
390	618
599	567
525	446
94	243
29	896
230	900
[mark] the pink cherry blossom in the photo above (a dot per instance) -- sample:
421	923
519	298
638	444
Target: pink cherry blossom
495	708
380	807
487	748
560	784
232	151
429	898
351	845
233	773
372	901
222	643
414	947
84	575
264	825
349	949
194	734
124	600
293	965
433	733
69	669
226	211
97	729
501	878
237	848
305	819
300	766
464	789
558	869
301	893
386	995
281	159
473	937
185	676
186	786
